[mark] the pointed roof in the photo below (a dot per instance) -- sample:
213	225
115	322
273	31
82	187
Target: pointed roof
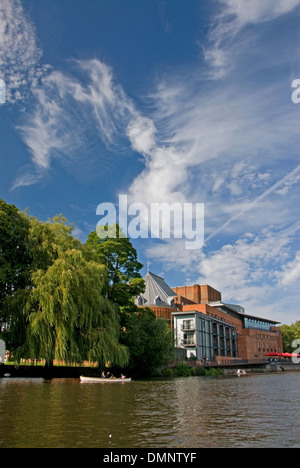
157	292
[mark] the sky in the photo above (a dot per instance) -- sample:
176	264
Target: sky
193	103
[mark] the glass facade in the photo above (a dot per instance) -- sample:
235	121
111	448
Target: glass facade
250	322
203	336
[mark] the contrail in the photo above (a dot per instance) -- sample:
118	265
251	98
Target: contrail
289	177
289	230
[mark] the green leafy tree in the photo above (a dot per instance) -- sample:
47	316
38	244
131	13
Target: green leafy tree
47	240
68	317
117	253
15	257
290	333
61	313
149	341
42	243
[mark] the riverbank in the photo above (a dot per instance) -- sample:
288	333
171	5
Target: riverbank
180	369
52	372
277	368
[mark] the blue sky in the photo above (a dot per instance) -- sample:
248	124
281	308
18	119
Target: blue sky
164	101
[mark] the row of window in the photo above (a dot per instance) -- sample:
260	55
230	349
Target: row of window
265	348
266	337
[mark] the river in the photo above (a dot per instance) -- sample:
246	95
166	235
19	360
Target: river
255	411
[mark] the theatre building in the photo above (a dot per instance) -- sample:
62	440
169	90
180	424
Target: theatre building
206	328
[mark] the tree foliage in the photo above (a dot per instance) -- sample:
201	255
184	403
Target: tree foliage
290	333
120	257
149	340
61	312
64	300
15	257
69	319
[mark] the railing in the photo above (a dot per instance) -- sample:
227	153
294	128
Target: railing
234	362
228	362
188	343
188	327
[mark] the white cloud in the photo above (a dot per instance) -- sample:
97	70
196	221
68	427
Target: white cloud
221	145
141	133
257	11
250	272
173	255
73	110
255	271
220	142
19	53
281	186
290	273
234	15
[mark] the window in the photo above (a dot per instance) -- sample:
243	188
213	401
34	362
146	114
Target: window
188	339
188	324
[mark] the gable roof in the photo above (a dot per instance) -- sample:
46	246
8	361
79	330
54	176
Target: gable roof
157	292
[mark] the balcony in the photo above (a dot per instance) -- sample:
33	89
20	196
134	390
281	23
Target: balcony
188	327
187	343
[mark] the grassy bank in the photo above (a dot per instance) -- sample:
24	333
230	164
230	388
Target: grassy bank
182	369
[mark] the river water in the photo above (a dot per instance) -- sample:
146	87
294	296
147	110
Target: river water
255	411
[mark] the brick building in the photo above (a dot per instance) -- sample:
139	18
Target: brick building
207	328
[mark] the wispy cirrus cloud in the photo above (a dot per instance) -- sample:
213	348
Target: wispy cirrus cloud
251	270
234	137
255	269
290	273
20	53
233	146
77	111
282	187
232	17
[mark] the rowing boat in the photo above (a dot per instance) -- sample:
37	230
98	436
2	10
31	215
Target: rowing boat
103	379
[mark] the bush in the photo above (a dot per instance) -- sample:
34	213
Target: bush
181	369
199	370
166	372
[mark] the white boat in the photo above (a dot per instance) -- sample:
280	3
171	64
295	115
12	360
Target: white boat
241	372
104	380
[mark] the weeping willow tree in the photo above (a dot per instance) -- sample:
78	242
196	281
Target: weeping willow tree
62	313
68	318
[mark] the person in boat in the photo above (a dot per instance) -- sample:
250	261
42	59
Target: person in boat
123	376
103	375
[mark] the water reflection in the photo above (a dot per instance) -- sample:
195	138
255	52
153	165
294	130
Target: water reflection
256	411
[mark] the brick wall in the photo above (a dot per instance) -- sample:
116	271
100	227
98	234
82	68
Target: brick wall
254	344
199	294
216	313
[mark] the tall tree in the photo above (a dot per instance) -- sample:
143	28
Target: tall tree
48	239
69	319
61	313
149	341
41	243
120	257
15	255
290	333
15	258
